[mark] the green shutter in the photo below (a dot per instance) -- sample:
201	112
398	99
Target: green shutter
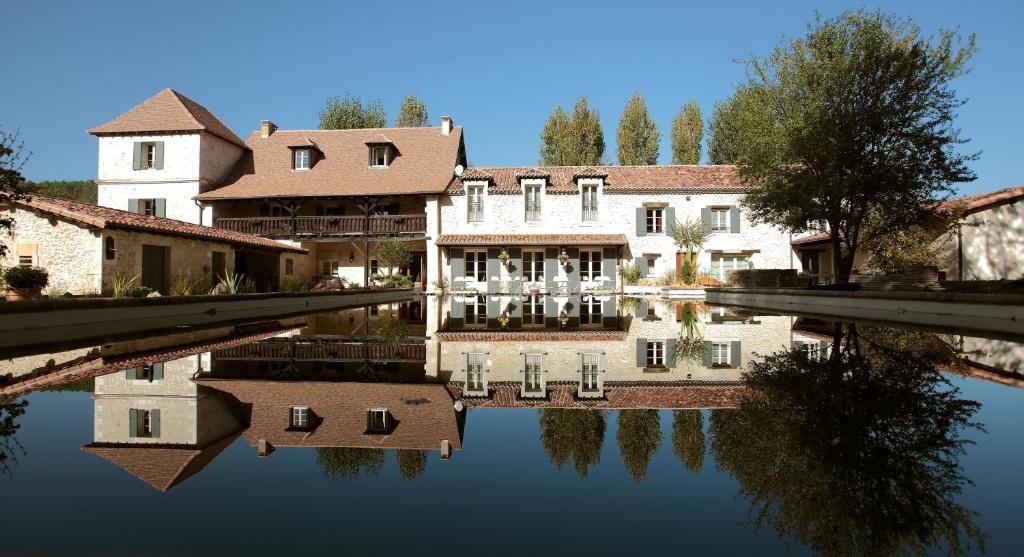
133	423
458	264
550	268
137	157
493	310
670	219
573	271
131	373
670	353
735	353
641	352
641	309
609	317
158	371
705	218
133	205
515	262
609	264
158	156
493	270
641	221
550	313
707	354
161	207
734	220
154	420
641	265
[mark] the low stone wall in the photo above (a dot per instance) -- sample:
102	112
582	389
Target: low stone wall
912	278
762	278
44	322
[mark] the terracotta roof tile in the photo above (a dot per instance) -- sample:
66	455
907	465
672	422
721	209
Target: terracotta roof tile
981	201
675	394
812	239
531	240
618	179
168	111
105	217
424	163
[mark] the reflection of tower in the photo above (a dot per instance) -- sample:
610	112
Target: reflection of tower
157	424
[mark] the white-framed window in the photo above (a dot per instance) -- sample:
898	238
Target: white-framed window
533	265
533	310
329	268
590	264
475	363
374	267
720	353
722	263
476	310
147	207
589	382
532	195
652	261
476	265
379	156
475	203
655	220
299	417
144	423
377	420
302	157
149	155
655	353
719	220
533	382
589	197
590	311
814	351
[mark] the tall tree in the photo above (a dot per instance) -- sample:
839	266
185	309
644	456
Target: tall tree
861	115
639	437
411	463
10	448
638	136
349	113
554	137
349	463
570	433
575	141
12	184
688	438
413	113
743	110
687	134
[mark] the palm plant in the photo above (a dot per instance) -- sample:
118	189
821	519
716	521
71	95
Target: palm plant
690	236
125	285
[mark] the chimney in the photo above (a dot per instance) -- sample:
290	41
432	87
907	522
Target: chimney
263	447
267	128
446	449
446	125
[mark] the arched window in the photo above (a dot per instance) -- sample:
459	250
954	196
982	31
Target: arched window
108	247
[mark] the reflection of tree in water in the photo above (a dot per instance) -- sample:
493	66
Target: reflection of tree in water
10	408
411	463
639	437
348	463
853	455
572	433
688	438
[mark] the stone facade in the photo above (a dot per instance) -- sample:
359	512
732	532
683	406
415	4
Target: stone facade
992	243
189	258
72	254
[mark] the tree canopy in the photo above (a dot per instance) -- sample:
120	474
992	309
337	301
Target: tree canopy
349	113
575	141
10	409
639	437
83	191
687	134
851	123
413	113
349	463
411	463
731	121
638	136
13	156
688	438
569	433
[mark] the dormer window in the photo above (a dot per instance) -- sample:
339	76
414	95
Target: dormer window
302	159
378	421
299	418
379	156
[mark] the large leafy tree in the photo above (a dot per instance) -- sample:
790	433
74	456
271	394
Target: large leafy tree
638	136
570	433
860	122
732	120
639	437
84	191
12	184
688	438
349	113
687	134
413	113
573	141
10	410
856	453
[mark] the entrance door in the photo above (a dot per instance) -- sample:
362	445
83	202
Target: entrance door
155	261
415	269
812	265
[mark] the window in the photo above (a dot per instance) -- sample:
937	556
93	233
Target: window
590	311
533	310
148	155
329	268
720	220
721	264
476	265
109	252
720	353
591	369
476	310
302	157
475	373
655	353
374	267
652	260
655	220
533	266
26	261
590	264
379	156
475	203
377	420
532	203
149	207
143	423
533	382
289	267
299	417
589	194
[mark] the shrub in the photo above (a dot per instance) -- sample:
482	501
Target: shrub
124	285
184	285
392	281
668	278
392	253
293	283
686	269
26	278
236	284
630	273
442	285
762	278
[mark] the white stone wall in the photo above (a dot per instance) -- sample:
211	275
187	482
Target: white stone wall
70	253
217	158
993	245
180	205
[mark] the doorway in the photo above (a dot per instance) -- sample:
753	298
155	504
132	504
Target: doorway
155	263
415	270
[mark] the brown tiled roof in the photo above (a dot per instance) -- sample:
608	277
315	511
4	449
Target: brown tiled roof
531	240
675	394
618	179
423	163
168	111
979	202
105	217
423	412
812	239
161	466
528	336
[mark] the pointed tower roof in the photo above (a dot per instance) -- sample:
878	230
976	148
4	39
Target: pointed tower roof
168	111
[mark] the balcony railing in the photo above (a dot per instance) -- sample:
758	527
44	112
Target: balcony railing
325	226
323	351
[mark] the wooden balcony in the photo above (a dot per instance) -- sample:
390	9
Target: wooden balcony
317	350
327	226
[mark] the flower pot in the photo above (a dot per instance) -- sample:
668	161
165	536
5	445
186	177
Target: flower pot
16	294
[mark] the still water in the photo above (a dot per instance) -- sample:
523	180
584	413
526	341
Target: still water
510	426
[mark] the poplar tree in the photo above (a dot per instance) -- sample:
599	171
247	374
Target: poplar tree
687	134
553	138
576	141
638	135
349	113
413	113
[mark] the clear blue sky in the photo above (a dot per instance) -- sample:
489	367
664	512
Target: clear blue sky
497	68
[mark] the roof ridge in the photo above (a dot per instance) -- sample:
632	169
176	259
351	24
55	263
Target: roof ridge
182	102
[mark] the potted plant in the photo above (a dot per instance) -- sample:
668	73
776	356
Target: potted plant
25	283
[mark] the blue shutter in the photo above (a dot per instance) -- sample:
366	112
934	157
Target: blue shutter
131	373
550	313
493	310
515	262
137	157
705	217
641	221
609	317
161	207
158	156
734	220
641	352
